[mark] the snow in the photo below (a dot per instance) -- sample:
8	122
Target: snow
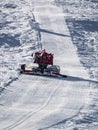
46	103
16	38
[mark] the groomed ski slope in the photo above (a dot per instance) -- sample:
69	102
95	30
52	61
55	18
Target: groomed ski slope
39	103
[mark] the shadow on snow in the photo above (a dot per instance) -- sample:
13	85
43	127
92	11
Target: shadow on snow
87	25
50	32
11	41
67	78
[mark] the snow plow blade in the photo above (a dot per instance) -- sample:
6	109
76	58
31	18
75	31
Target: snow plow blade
37	72
28	72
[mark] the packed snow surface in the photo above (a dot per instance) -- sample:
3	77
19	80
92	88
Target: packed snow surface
30	102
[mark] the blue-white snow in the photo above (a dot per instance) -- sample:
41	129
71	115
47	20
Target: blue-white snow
43	103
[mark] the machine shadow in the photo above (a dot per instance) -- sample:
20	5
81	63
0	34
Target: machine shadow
50	32
67	78
74	79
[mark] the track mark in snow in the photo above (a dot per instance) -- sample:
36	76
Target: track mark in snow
7	84
63	121
31	113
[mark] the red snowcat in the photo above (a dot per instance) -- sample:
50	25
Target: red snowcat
42	65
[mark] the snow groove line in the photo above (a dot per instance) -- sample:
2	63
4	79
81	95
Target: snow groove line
7	84
62	121
11	81
28	115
